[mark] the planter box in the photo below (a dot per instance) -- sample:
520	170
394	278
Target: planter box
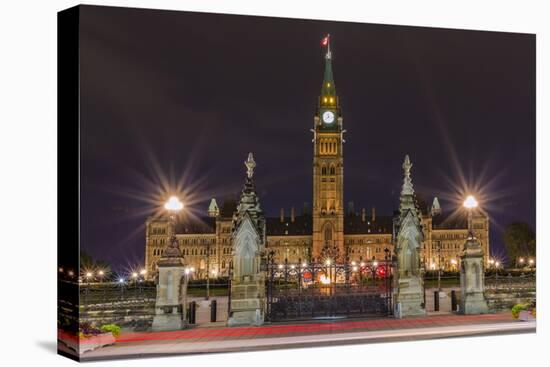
82	345
526	316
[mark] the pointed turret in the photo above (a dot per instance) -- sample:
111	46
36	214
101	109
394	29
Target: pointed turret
436	208
213	209
249	203
407	199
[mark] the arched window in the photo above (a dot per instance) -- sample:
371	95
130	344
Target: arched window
332	170
323	171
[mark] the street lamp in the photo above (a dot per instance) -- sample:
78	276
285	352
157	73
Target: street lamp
470	203
173	205
100	275
439	266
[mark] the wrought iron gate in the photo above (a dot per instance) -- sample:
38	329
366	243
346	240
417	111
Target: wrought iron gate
303	291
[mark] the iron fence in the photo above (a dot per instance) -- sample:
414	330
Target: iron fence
297	291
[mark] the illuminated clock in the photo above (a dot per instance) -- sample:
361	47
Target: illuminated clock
328	117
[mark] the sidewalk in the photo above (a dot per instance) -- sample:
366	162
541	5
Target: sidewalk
210	340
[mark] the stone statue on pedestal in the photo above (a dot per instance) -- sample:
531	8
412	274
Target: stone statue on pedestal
248	302
409	290
169	307
472	278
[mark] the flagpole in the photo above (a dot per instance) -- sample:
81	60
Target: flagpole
329	56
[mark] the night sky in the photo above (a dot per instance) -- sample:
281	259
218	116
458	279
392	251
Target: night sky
174	96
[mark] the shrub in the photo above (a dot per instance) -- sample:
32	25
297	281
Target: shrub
86	329
517	309
112	328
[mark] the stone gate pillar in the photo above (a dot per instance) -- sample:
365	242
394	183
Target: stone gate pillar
248	303
472	275
169	309
409	287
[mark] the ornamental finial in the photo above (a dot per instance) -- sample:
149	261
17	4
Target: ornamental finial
250	164
407	165
407	182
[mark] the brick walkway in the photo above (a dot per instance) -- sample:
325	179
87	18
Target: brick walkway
328	327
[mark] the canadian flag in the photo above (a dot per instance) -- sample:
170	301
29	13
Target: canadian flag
324	41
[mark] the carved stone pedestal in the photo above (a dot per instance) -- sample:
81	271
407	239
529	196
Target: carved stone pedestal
169	308
247	302
472	285
409	298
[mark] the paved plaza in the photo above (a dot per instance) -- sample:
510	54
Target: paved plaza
319	333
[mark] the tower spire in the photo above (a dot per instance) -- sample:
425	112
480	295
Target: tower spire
328	89
407	198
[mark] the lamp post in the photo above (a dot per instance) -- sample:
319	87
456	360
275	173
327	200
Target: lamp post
470	203
439	266
88	276
207	269
173	205
121	282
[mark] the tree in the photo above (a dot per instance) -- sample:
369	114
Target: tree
519	240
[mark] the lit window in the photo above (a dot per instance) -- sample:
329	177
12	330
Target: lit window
325	99
331	100
328	84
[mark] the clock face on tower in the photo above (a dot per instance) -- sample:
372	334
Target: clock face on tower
328	117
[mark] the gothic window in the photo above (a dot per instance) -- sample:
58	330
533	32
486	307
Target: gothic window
328	233
323	171
332	170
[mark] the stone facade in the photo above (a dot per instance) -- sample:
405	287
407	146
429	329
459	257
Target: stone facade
291	238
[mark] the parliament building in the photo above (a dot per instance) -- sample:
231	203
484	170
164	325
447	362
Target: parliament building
356	236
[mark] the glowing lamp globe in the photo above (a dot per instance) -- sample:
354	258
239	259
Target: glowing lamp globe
470	202
173	204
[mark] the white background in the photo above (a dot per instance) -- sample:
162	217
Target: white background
28	181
